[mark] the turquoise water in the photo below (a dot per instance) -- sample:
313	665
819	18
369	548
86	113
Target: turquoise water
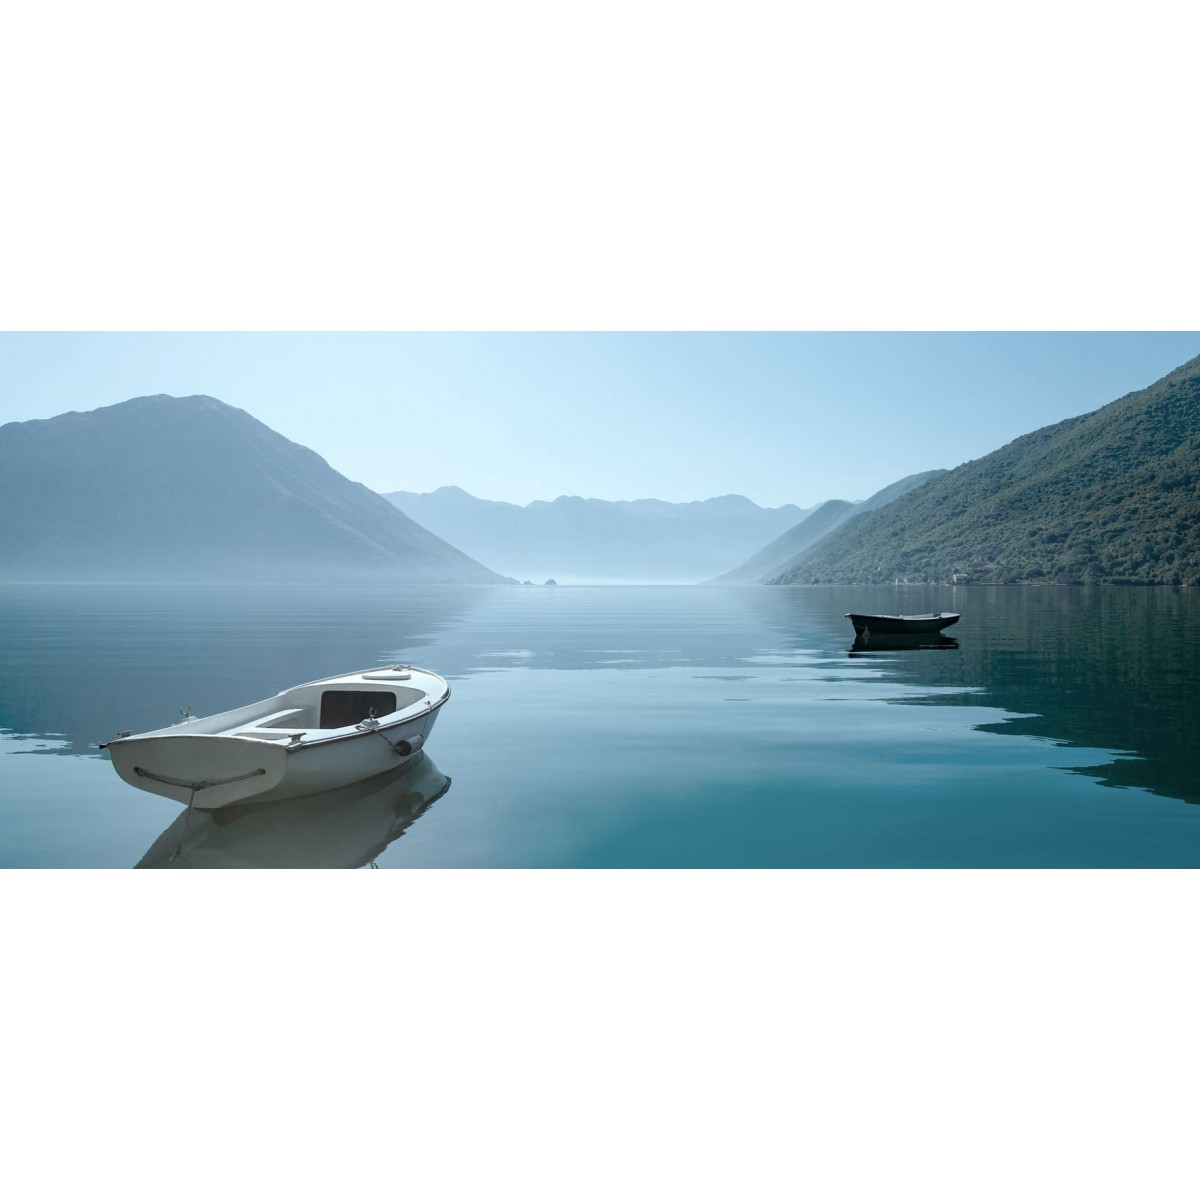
630	727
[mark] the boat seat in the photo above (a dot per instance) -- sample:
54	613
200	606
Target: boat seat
272	722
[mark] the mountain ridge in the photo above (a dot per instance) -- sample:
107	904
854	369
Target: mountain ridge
583	539
1111	496
190	487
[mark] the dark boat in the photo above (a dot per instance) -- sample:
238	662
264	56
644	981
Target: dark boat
867	624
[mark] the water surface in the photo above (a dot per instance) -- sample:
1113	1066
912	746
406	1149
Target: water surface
611	726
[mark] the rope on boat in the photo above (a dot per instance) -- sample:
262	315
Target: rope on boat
395	746
197	787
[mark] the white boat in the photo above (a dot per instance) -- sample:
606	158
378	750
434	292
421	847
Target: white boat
315	737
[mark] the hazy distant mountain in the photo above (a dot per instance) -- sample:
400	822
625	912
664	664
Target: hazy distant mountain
166	487
1112	496
772	558
578	540
822	521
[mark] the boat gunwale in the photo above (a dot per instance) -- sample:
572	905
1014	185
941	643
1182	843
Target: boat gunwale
343	733
938	616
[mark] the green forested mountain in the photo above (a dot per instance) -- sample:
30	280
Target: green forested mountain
1109	497
170	487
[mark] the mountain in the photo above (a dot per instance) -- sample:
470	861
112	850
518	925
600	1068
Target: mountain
772	558
822	521
165	487
573	539
1112	496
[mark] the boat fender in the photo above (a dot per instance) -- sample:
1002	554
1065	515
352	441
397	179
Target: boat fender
407	746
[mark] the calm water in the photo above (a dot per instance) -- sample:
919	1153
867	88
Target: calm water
620	727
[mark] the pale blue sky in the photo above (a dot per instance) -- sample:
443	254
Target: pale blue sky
780	418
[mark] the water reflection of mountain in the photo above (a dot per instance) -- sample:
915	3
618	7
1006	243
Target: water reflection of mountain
346	828
82	662
1114	668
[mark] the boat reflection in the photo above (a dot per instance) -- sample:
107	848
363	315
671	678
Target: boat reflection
902	641
346	828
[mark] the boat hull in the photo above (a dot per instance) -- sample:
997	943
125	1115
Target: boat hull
211	771
867	624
